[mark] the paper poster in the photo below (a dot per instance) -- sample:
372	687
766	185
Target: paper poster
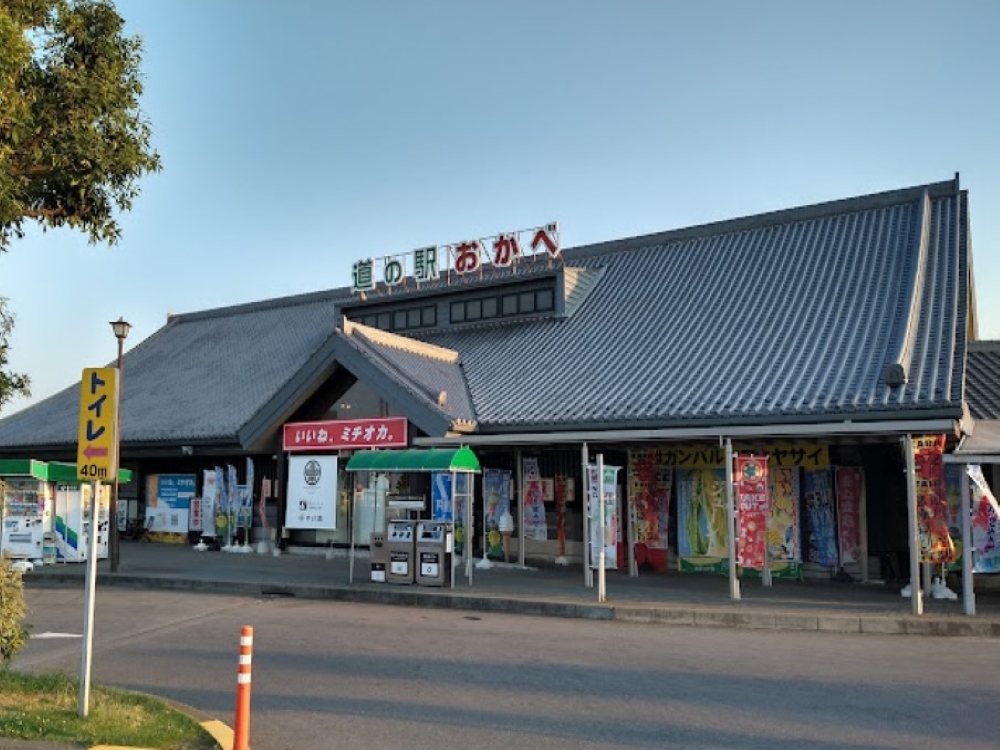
752	503
821	531
312	492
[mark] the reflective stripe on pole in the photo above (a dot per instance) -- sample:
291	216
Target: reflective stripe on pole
241	733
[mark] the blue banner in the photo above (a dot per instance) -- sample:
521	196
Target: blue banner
821	528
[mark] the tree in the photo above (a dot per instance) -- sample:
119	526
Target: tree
11	384
73	141
13	633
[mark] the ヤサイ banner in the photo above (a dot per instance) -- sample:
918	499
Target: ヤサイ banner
752	505
936	544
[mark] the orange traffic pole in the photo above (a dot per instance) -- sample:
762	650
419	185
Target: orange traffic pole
241	734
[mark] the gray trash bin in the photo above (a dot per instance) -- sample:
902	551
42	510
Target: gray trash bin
433	560
400	536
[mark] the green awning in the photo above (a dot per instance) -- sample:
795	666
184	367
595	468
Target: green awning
53	471
415	459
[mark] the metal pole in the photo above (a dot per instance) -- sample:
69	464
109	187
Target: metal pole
734	582
113	526
88	604
914	533
965	508
588	573
601	561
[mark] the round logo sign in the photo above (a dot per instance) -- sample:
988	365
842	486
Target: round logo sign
312	472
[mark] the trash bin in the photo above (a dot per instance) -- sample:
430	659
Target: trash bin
379	556
400	537
433	565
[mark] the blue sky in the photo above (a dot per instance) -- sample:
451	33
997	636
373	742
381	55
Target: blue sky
298	137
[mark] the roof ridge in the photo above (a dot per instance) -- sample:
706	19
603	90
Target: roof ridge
402	343
945	189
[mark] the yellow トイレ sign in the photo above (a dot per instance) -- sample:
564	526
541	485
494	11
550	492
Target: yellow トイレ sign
96	445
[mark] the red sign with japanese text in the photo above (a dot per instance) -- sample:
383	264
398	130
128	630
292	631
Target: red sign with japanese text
752	504
345	434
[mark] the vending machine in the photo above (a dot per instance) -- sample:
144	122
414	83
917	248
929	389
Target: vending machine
73	523
26	511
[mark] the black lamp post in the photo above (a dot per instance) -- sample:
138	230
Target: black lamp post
121	328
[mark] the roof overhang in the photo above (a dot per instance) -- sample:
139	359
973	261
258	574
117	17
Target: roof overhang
708	432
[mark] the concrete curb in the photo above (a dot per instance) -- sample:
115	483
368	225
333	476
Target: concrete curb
670	614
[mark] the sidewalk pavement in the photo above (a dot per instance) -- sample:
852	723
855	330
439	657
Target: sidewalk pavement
670	598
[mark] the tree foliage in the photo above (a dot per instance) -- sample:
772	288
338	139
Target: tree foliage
11	384
73	141
13	633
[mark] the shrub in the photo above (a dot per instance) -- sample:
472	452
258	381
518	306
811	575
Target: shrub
13	633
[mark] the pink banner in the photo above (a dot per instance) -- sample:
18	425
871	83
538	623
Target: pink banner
849	513
752	505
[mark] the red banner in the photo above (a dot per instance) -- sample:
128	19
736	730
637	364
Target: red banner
849	513
752	503
345	434
936	545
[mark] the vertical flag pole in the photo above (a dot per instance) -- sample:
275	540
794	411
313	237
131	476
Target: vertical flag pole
601	562
734	583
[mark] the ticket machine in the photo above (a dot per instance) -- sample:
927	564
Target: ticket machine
400	538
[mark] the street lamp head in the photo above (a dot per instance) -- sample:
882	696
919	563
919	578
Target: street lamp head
120	327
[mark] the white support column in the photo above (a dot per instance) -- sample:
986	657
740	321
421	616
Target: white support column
520	509
588	574
965	509
734	582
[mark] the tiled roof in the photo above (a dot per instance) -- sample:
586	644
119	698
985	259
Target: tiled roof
789	316
201	377
982	380
849	310
427	372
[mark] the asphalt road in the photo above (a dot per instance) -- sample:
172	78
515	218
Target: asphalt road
335	675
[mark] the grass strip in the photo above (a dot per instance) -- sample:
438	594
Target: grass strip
46	707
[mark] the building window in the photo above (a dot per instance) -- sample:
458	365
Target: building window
457	312
399	320
384	321
490	307
474	309
428	315
508	305
546	300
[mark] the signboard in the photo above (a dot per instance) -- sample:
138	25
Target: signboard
95	443
312	492
345	434
428	263
168	502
